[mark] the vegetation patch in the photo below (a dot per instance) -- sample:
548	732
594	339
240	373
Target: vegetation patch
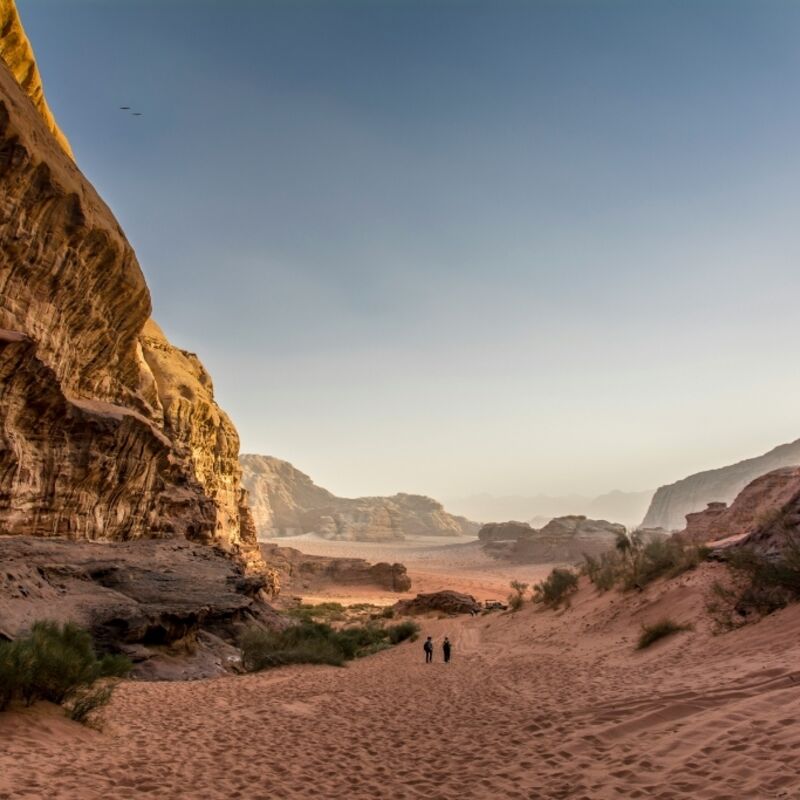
318	643
652	633
58	663
758	585
637	561
557	588
517	597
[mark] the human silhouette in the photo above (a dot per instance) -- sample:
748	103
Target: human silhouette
446	649
428	647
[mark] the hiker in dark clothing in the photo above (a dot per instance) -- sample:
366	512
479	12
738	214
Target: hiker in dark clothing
446	649
428	647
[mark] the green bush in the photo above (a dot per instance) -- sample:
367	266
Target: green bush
54	662
517	599
318	643
402	631
387	613
634	562
325	612
759	584
557	588
652	633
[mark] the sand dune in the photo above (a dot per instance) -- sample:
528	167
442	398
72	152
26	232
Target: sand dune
534	705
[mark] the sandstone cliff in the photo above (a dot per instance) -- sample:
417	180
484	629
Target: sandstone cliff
286	502
563	539
757	506
107	432
17	53
672	503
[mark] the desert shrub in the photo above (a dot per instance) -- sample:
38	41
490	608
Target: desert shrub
305	643
387	613
84	705
326	612
652	633
318	643
402	631
634	563
758	585
54	662
517	597
556	588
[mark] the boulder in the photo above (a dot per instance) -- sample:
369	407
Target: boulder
446	602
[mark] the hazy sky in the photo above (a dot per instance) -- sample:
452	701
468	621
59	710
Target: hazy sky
455	247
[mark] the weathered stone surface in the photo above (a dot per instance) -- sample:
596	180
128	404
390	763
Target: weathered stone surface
672	503
143	598
563	539
446	602
17	53
504	531
107	431
299	572
286	502
757	506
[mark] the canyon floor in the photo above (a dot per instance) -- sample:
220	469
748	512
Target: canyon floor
537	704
459	563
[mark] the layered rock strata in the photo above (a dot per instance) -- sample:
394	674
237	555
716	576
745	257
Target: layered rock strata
143	598
107	432
757	506
672	503
286	502
563	539
299	572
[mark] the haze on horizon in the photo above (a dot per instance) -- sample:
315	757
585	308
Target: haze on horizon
458	247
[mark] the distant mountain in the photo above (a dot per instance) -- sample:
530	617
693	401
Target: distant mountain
627	508
286	502
672	503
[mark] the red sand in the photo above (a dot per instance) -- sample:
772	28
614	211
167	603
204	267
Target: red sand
537	704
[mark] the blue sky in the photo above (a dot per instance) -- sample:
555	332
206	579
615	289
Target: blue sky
455	247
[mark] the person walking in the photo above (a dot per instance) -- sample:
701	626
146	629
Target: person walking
446	650
428	647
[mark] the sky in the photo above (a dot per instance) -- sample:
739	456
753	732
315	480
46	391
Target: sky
455	247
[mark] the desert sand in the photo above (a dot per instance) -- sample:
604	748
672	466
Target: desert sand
538	704
432	566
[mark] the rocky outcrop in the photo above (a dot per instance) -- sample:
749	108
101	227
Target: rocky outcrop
299	572
504	531
564	539
672	503
17	53
286	502
444	602
107	432
758	505
143	598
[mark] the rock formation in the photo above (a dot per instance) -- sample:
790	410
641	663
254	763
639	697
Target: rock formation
17	53
108	431
299	572
286	502
756	506
672	503
446	602
143	598
562	540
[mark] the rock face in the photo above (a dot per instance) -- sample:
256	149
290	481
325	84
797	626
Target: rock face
137	597
672	503
446	602
564	539
286	502
108	432
758	505
17	53
300	573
